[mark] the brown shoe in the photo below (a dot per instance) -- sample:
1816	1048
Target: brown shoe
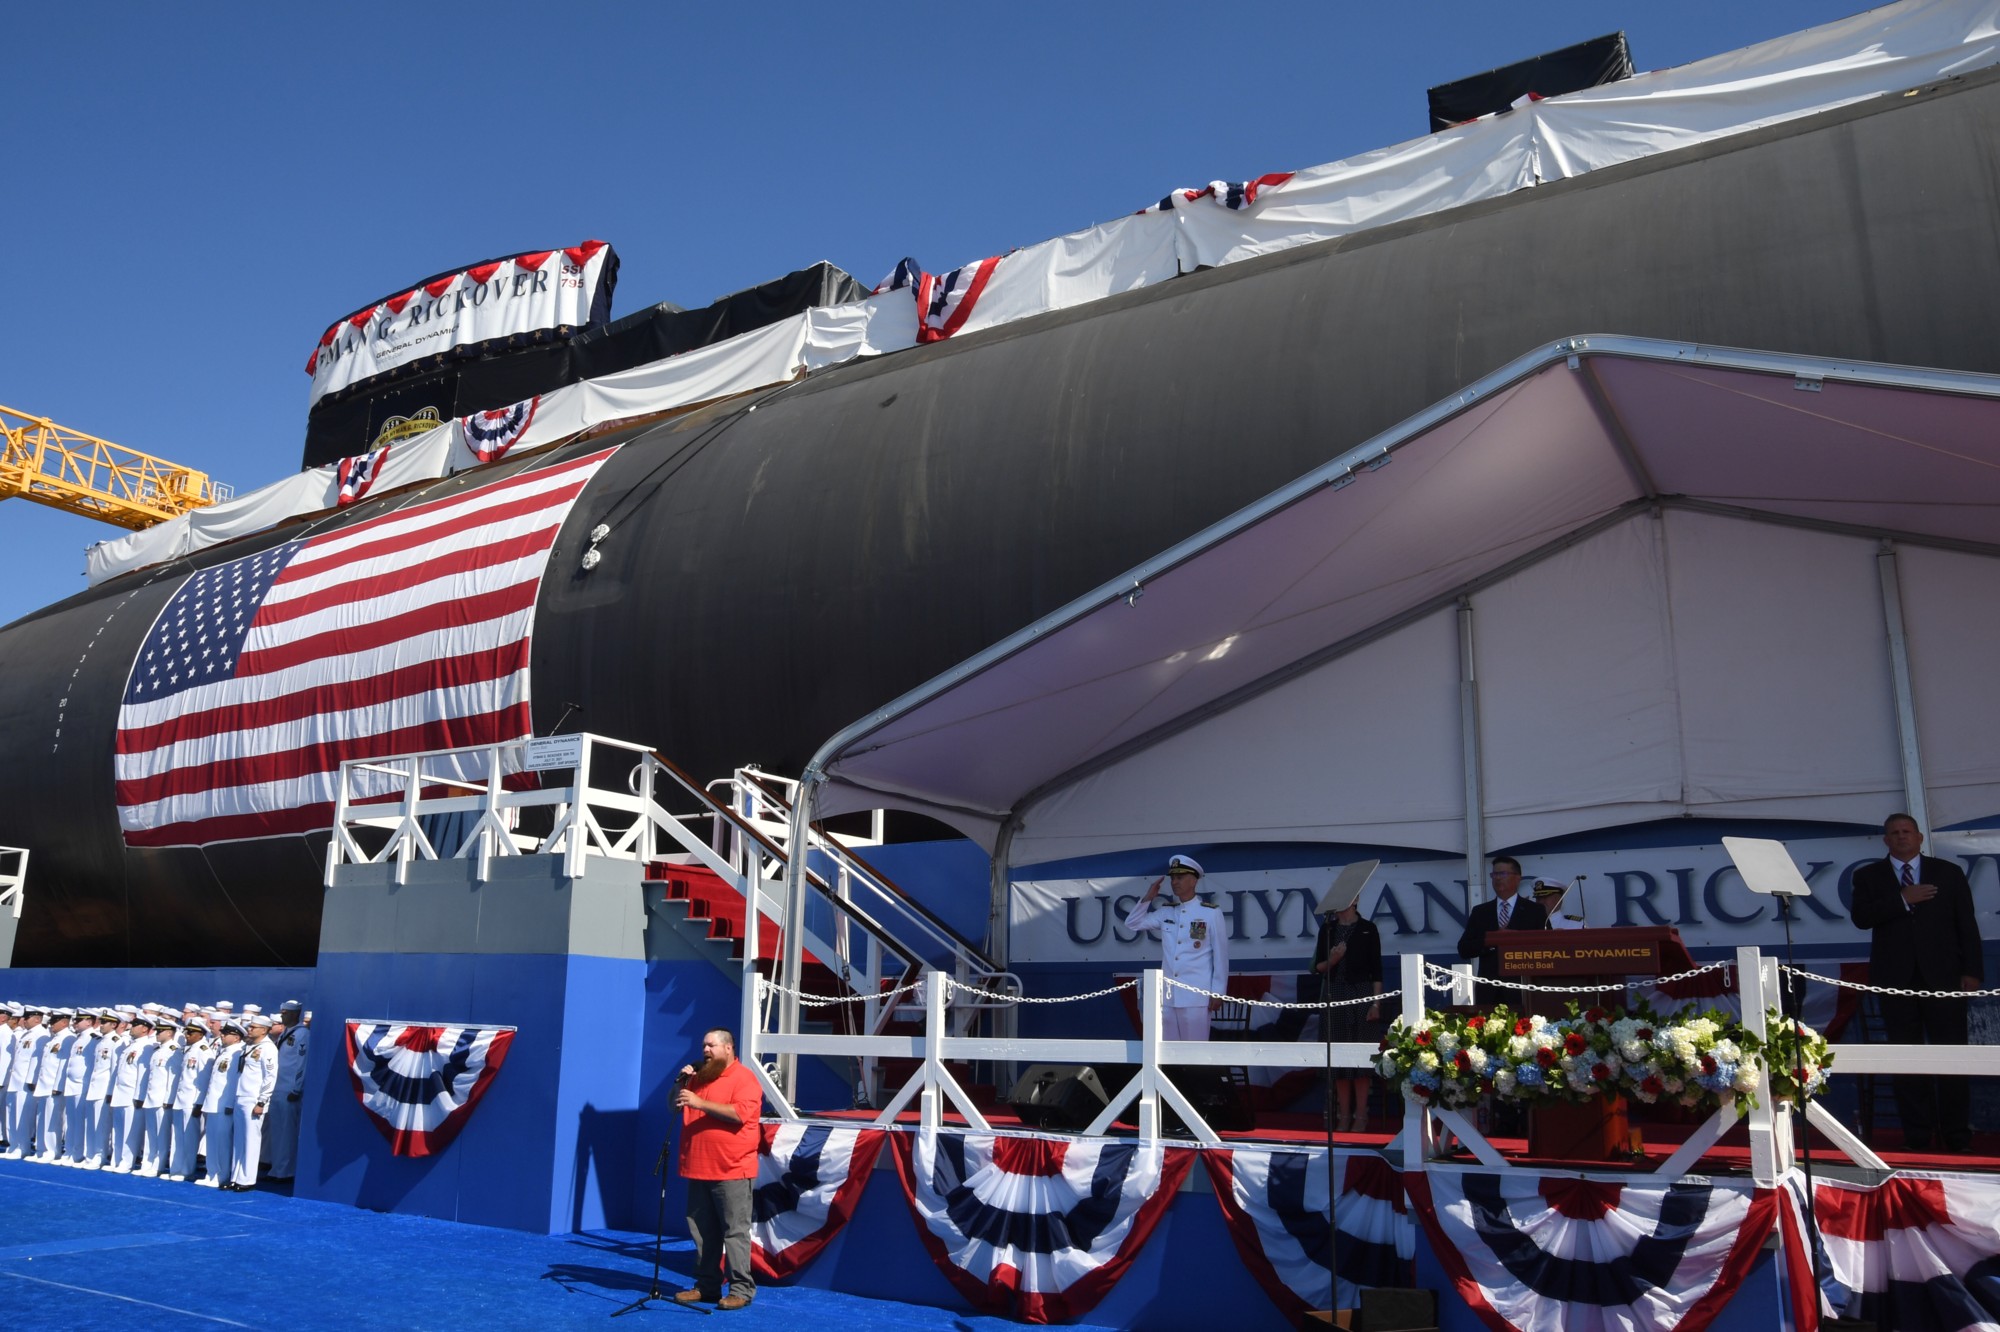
687	1297
732	1302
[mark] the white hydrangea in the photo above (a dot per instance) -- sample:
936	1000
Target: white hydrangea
1447	1044
1427	1060
1478	1059
1518	1047
1746	1077
1503	1081
1386	1066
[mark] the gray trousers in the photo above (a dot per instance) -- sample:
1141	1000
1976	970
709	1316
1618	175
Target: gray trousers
718	1217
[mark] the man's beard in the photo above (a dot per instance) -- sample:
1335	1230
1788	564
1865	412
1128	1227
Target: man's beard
708	1068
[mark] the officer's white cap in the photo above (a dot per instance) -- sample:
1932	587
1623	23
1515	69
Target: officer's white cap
1188	863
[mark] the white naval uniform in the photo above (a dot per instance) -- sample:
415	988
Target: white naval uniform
96	1092
126	1077
253	1093
282	1132
76	1073
8	1035
1194	949
218	1111
156	1090
48	1094
190	1075
20	1083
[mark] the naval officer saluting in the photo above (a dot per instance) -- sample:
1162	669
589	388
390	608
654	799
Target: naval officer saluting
1194	948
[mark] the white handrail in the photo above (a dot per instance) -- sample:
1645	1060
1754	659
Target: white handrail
14	880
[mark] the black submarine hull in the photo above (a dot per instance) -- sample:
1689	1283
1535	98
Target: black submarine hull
778	565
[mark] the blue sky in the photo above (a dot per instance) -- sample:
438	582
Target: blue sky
196	192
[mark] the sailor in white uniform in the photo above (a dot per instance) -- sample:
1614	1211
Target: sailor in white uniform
282	1133
28	1041
190	1068
91	1031
253	1098
10	1025
47	1092
1550	894
218	1107
127	1075
1194	947
156	1094
96	1125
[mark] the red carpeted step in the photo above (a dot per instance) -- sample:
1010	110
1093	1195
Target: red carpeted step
710	899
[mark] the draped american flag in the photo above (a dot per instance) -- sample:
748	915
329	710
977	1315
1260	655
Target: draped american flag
404	633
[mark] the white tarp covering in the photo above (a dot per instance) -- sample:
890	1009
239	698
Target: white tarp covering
1881	51
1683	616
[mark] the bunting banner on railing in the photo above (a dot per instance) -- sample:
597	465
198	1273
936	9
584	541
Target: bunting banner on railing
809	1178
1274	1202
490	434
420	1083
1536	1253
1917	1252
1034	1228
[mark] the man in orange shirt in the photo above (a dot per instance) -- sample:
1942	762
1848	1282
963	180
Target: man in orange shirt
720	1104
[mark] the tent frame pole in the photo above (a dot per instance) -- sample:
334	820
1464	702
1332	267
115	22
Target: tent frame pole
1468	729
1914	802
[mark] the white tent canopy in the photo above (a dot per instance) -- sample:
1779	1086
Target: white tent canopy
1618	580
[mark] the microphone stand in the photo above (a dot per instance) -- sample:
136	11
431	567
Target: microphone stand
662	1169
1788	1007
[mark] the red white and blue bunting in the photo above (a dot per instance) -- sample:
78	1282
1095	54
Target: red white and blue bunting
1274	1202
419	1084
490	434
1538	1253
1917	1252
1035	1228
358	473
1235	195
945	302
809	1177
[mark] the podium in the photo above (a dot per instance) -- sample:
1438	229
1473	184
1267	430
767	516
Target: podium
1606	958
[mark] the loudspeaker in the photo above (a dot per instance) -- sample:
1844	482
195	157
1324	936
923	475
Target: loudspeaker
1058	1096
1390	1310
1218	1094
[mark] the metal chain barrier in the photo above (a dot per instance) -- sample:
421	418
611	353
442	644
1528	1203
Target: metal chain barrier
827	1001
1889	989
1053	999
1444	978
1318	1004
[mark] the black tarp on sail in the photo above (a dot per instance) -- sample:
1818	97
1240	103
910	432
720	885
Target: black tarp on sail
344	424
1573	68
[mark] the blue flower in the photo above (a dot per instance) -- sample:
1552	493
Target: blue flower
1424	1077
1528	1074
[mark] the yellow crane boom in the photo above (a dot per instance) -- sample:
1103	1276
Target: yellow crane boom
67	469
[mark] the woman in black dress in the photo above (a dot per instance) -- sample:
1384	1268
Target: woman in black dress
1349	958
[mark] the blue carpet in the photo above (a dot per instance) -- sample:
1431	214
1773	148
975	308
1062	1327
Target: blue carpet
82	1252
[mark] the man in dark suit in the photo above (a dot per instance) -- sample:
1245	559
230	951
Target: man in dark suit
1507	911
1926	938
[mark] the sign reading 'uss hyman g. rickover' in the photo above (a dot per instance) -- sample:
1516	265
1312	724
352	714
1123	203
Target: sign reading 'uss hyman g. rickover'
1420	906
543	292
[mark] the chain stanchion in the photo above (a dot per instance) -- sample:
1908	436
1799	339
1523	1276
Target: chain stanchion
1315	1004
827	1001
1865	988
1444	978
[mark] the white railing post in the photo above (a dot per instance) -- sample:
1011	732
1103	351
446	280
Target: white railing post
930	1100
1765	1149
1416	1136
1151	1019
406	844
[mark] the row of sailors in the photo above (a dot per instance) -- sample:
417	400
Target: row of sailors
137	1091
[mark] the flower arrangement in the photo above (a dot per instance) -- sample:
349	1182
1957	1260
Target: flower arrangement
1691	1060
1797	1060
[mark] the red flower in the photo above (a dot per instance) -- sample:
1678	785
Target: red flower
1644	1033
1423	1038
1424	1091
1474	1024
1600	1071
1522	1026
1594	1015
1575	1044
1799	1076
1463	1060
1652	1086
1546	1058
1708	1063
